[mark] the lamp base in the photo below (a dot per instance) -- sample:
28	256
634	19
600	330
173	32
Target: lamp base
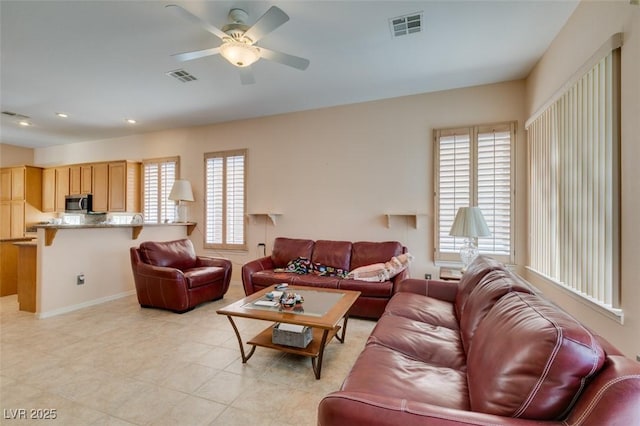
468	252
181	212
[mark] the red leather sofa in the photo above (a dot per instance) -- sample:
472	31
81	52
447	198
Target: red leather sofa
169	275
487	351
345	255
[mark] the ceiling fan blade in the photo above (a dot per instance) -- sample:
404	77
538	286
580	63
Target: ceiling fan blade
284	59
246	75
272	19
188	56
194	19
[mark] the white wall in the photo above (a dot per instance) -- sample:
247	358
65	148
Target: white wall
588	28
332	172
101	254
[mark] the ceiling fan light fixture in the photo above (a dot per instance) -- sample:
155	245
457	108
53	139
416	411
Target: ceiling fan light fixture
238	53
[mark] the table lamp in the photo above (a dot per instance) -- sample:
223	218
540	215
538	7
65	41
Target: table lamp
470	224
180	192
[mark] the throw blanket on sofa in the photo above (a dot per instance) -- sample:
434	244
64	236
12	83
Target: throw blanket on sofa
302	265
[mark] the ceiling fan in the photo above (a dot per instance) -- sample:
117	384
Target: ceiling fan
239	41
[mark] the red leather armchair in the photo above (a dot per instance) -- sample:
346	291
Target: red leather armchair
169	275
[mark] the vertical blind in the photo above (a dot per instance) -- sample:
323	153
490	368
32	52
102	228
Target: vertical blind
158	176
474	168
225	199
574	186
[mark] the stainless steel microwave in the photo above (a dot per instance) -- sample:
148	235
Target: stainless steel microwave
82	203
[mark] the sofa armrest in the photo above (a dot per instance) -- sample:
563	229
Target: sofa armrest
357	408
443	290
212	261
160	272
250	268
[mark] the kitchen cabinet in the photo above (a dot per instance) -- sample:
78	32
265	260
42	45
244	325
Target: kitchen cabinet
100	186
20	192
5	184
49	190
62	187
124	186
74	180
86	179
80	179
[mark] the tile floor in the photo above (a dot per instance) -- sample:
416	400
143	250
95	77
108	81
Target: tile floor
119	364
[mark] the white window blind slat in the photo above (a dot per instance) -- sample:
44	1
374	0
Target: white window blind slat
572	146
226	205
158	177
474	167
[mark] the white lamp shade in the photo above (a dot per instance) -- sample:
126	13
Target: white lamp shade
469	223
181	191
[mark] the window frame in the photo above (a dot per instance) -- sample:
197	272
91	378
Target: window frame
225	245
159	161
473	132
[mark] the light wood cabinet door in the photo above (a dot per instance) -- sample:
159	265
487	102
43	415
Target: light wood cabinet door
62	187
5	219
17	219
85	179
74	180
5	184
18	178
100	186
117	187
49	190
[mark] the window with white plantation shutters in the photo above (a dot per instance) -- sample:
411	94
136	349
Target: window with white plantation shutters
158	176
225	199
574	182
474	167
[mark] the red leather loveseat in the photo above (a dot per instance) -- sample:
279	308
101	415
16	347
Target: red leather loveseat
169	275
342	255
487	351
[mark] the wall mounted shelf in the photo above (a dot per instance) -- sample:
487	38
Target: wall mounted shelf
272	216
416	219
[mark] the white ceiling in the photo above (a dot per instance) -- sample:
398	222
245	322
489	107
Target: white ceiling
104	61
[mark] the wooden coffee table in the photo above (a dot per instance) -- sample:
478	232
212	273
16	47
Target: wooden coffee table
323	309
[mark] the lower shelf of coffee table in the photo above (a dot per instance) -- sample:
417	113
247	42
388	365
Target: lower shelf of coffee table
313	349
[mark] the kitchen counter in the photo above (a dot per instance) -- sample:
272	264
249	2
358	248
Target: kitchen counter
136	228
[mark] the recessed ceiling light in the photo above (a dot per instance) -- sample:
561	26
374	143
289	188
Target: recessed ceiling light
130	120
62	115
24	123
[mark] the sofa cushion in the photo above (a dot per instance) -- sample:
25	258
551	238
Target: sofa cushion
286	249
486	293
423	308
311	280
178	254
197	277
428	343
332	253
480	267
539	370
382	289
266	278
383	371
366	253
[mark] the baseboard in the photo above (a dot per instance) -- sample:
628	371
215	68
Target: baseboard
66	309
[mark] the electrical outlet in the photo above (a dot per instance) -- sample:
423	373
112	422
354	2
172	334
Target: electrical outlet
427	276
80	279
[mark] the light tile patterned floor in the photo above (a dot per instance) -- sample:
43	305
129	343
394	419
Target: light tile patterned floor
119	364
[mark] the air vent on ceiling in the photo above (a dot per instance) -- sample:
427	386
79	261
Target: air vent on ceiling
15	115
182	75
407	24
